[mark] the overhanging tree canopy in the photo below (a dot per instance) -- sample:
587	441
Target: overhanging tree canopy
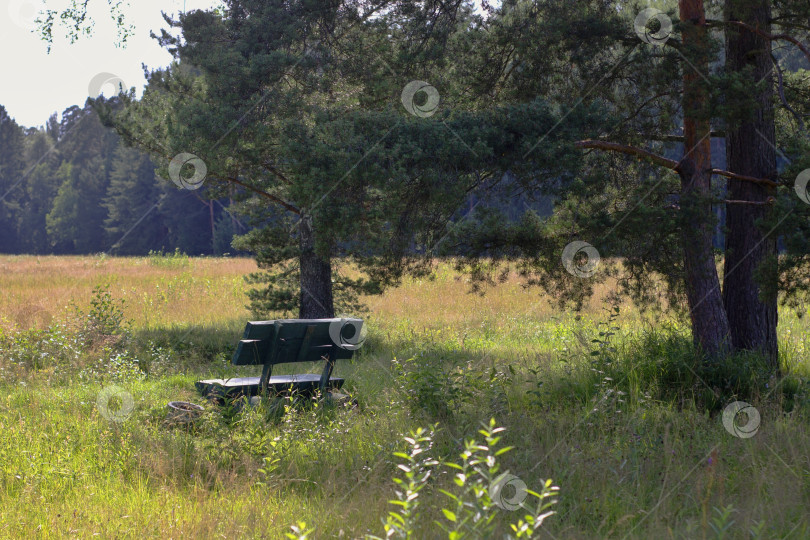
273	106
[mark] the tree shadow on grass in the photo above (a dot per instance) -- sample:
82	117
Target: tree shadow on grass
664	366
190	347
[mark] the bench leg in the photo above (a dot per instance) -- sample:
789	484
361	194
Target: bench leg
265	379
327	370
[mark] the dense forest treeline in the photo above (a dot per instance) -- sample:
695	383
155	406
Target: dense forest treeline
72	187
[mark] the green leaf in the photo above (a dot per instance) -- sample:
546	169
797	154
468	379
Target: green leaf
449	515
449	494
397	517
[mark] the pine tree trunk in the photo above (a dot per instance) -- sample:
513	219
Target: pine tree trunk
750	151
710	327
316	277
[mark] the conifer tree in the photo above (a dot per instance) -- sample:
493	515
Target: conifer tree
331	166
663	75
39	189
129	201
11	175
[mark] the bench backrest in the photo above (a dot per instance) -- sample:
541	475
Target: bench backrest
297	340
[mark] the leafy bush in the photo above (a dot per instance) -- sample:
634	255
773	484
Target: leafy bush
178	259
474	506
35	349
104	323
430	388
417	468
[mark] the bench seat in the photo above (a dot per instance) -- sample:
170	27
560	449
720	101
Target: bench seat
282	341
277	384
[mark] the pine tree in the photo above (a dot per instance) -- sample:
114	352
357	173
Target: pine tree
131	201
186	216
12	174
751	249
74	223
240	59
39	187
664	80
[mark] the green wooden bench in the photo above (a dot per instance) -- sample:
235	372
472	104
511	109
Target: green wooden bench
268	343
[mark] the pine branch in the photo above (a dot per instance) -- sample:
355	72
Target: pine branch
779	21
680	138
264	194
767	202
665	162
772	37
743	178
630	151
277	173
781	88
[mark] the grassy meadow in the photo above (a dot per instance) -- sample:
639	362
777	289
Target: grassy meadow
610	405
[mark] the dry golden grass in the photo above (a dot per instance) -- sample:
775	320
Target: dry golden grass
206	291
199	291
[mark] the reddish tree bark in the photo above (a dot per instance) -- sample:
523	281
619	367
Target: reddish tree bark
710	326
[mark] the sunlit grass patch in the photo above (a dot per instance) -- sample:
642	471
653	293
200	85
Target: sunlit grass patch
613	406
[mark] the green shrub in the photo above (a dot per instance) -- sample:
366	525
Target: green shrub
178	259
480	494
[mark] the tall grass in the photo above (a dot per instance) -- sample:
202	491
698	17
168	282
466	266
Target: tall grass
612	405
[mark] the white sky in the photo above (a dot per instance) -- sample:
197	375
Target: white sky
35	84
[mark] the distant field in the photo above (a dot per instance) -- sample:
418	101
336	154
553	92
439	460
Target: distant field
166	291
158	291
623	421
